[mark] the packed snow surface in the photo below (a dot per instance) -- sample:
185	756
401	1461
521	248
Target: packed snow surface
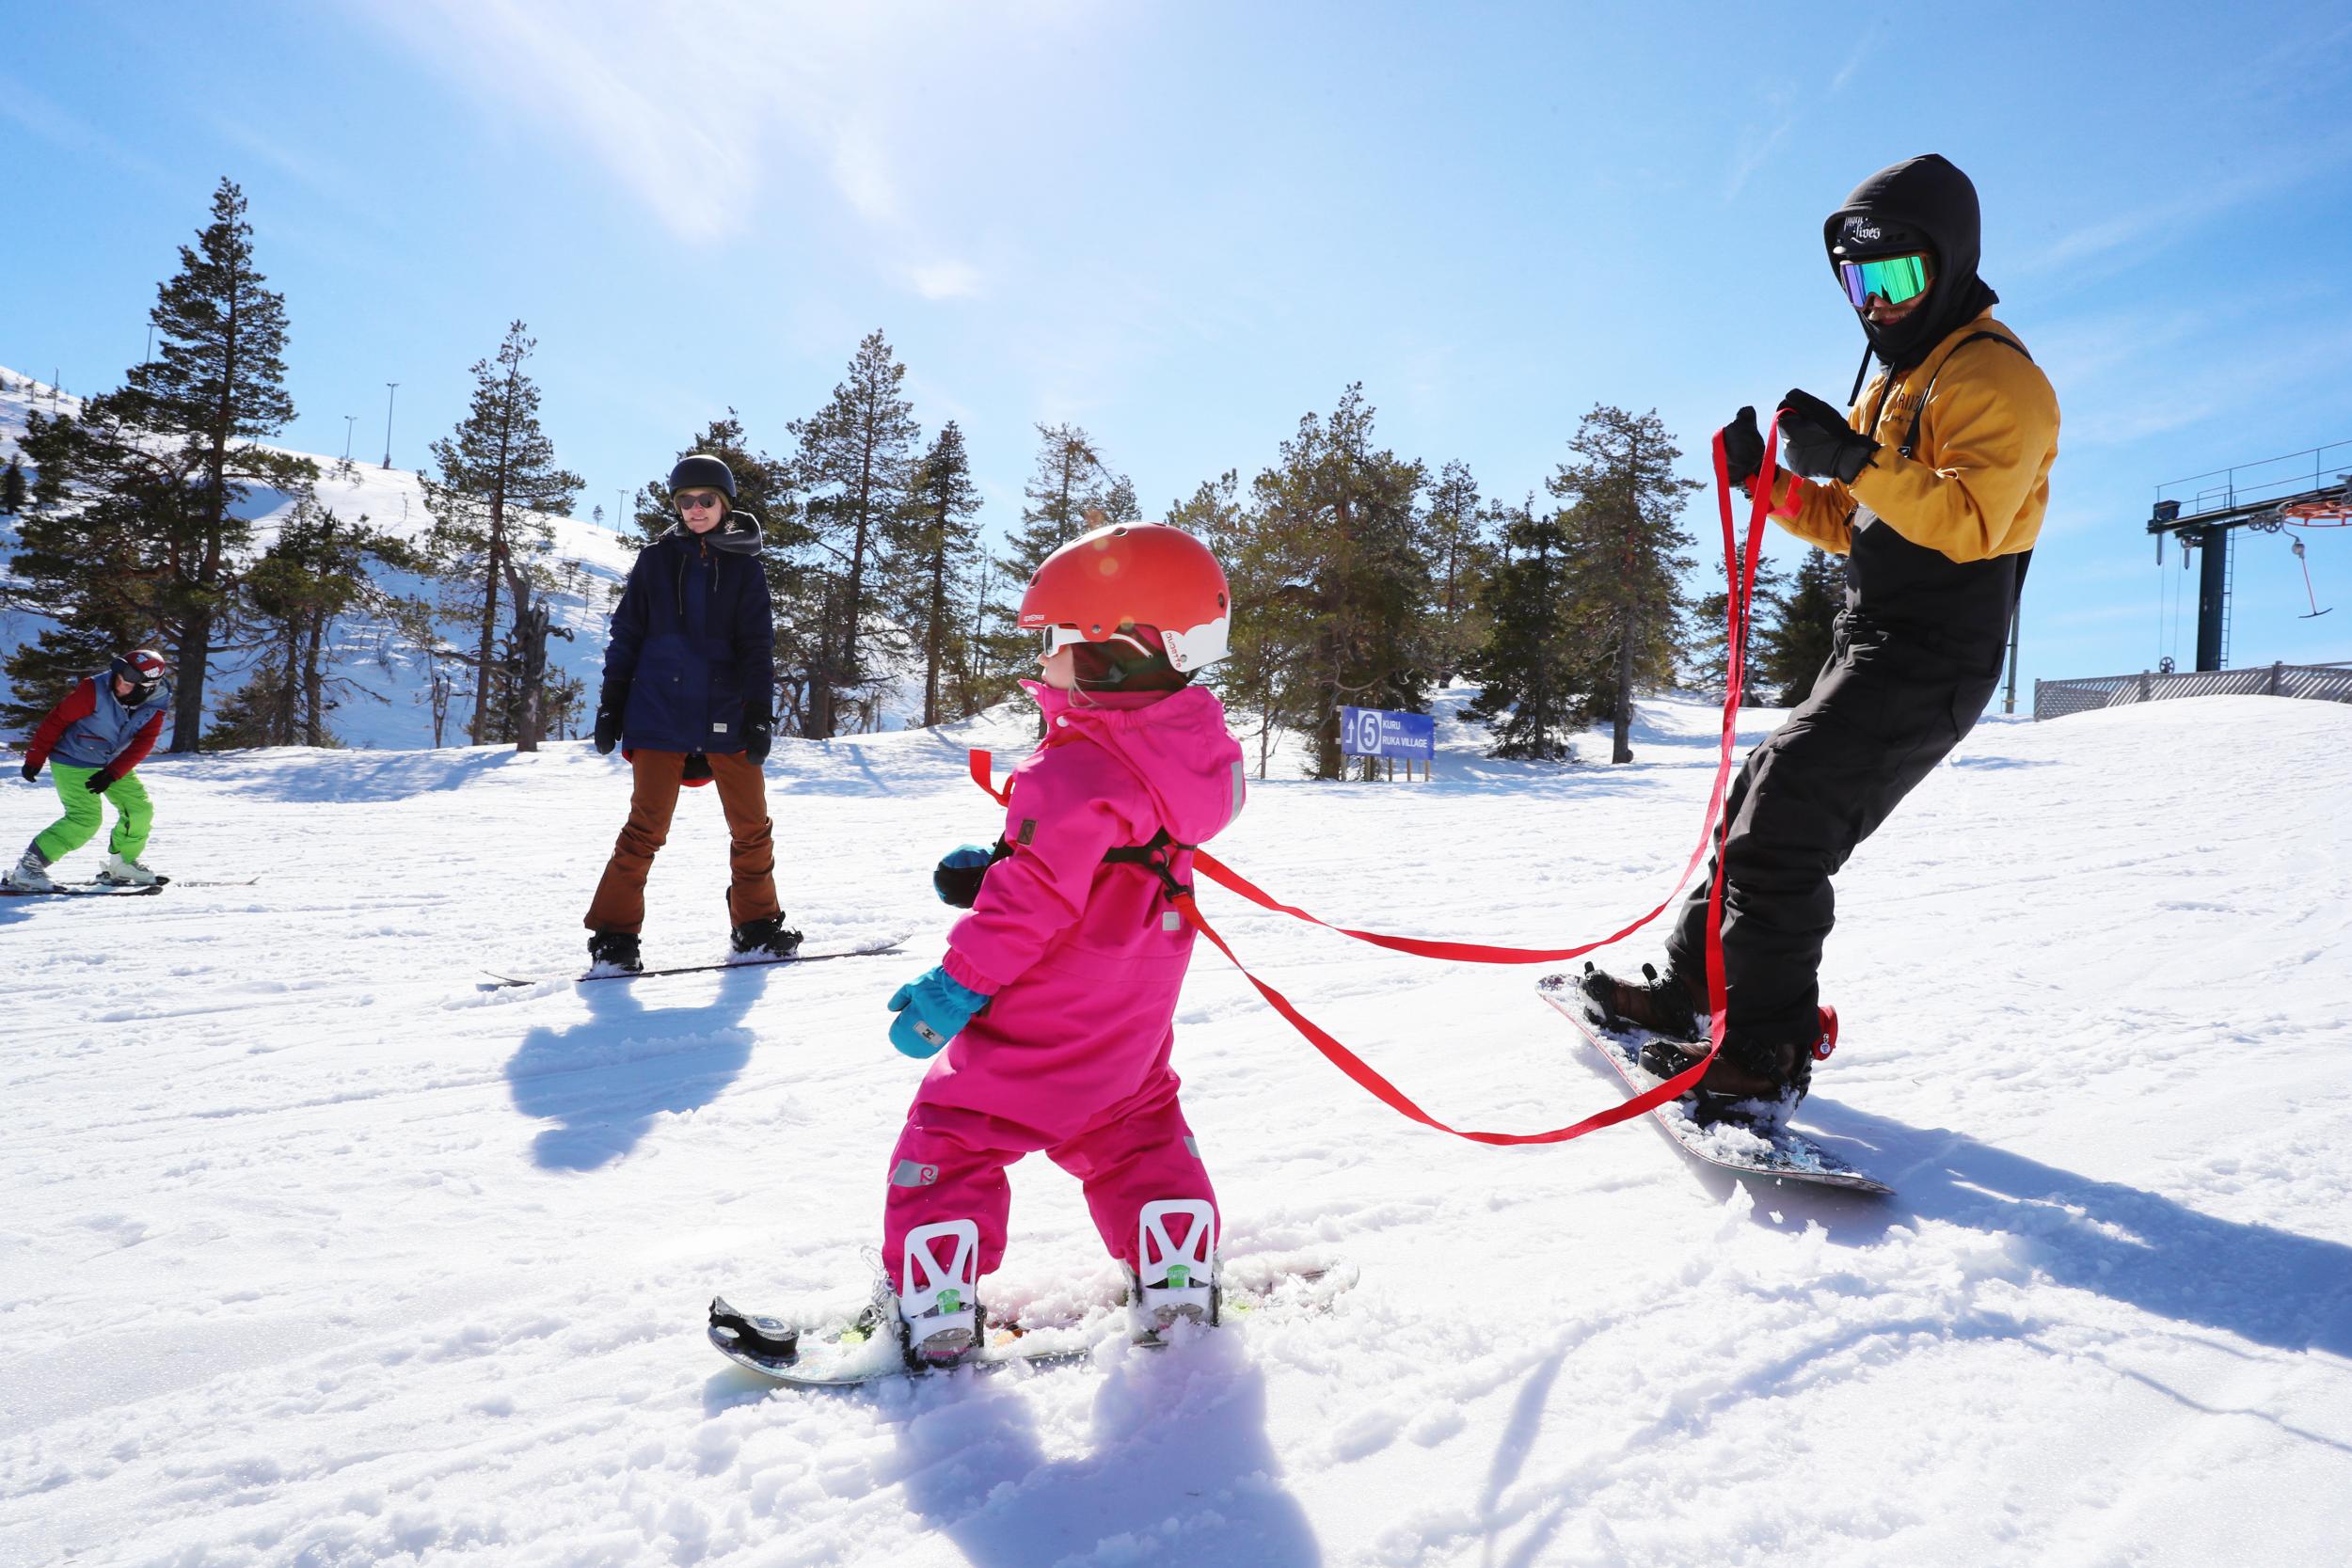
313	1252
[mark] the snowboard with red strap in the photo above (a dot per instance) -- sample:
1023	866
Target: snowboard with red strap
1764	1147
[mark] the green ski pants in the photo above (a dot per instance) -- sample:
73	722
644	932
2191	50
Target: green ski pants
134	814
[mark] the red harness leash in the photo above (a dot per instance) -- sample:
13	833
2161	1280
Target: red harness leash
1740	570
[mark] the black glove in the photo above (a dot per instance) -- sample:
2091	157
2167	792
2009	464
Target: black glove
1743	448
102	780
609	708
1816	442
31	770
759	733
958	875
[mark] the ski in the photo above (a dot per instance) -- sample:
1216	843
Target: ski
804	956
1744	1149
861	1350
87	890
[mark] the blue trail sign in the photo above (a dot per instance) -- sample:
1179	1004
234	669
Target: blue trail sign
1375	732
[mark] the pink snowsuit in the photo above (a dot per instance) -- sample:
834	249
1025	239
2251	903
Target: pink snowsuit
1083	962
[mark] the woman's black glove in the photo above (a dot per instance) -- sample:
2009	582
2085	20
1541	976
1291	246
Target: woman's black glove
759	733
31	770
102	780
609	708
1743	448
1816	442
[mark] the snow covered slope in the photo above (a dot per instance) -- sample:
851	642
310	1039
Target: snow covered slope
391	709
313	1253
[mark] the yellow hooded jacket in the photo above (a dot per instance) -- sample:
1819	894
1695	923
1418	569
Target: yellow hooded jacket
1976	484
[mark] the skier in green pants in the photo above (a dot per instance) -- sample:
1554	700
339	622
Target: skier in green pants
92	740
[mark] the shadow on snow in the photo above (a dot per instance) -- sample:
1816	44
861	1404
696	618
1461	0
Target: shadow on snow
605	1080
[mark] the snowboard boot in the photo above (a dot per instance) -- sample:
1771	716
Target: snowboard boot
1175	1282
30	874
936	1306
615	952
122	871
768	936
1750	1080
1672	1005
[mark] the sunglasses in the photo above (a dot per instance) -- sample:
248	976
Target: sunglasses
1893	278
695	500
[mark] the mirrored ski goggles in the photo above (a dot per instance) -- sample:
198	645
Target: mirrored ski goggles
1893	278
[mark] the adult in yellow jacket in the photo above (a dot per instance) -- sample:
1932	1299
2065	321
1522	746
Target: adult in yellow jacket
1933	486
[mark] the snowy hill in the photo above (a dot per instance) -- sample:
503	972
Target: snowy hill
589	561
314	1252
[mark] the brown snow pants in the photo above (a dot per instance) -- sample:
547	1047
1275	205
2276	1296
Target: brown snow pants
620	901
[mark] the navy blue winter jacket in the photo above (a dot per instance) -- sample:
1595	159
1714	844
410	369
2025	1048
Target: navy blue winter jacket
693	644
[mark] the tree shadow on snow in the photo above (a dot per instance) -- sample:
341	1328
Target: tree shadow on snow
2268	1285
1181	1468
604	1081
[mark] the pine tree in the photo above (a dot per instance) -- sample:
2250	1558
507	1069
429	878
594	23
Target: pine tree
1804	626
95	546
13	488
1334	565
1709	643
497	485
290	602
933	543
856	458
1456	538
216	387
1068	480
1120	503
1622	541
1528	674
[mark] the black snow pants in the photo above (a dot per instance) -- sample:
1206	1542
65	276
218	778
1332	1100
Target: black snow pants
1877	723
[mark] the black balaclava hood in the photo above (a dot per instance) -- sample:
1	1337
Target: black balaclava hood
1924	200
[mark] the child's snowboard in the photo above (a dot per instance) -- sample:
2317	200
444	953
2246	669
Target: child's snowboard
865	1348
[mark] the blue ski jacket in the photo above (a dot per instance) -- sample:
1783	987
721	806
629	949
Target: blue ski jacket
692	649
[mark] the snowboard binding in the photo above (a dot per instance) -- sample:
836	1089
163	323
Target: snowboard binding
937	1305
756	1339
1175	1282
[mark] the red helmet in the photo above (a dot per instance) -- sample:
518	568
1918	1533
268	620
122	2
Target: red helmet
1133	575
144	668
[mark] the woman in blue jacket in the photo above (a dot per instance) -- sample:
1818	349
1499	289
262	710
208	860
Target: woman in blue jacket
688	680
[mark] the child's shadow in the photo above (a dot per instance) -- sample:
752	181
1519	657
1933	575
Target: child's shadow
1181	1468
604	1081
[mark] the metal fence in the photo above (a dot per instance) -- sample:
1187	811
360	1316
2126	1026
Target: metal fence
2328	683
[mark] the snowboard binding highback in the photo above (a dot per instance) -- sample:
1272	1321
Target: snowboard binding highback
1175	1282
937	1305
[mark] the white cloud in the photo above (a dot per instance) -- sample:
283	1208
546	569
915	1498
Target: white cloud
947	279
685	102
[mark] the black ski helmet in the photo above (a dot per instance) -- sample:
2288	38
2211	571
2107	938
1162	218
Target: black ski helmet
701	471
144	668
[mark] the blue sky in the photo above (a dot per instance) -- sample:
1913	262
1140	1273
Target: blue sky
1185	226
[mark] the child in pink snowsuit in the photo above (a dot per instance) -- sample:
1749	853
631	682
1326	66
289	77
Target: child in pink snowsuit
1056	996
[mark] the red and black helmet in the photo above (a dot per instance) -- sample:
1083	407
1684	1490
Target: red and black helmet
144	668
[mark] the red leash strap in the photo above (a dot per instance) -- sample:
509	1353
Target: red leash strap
1739	566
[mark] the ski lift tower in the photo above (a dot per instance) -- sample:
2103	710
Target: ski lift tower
2203	509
